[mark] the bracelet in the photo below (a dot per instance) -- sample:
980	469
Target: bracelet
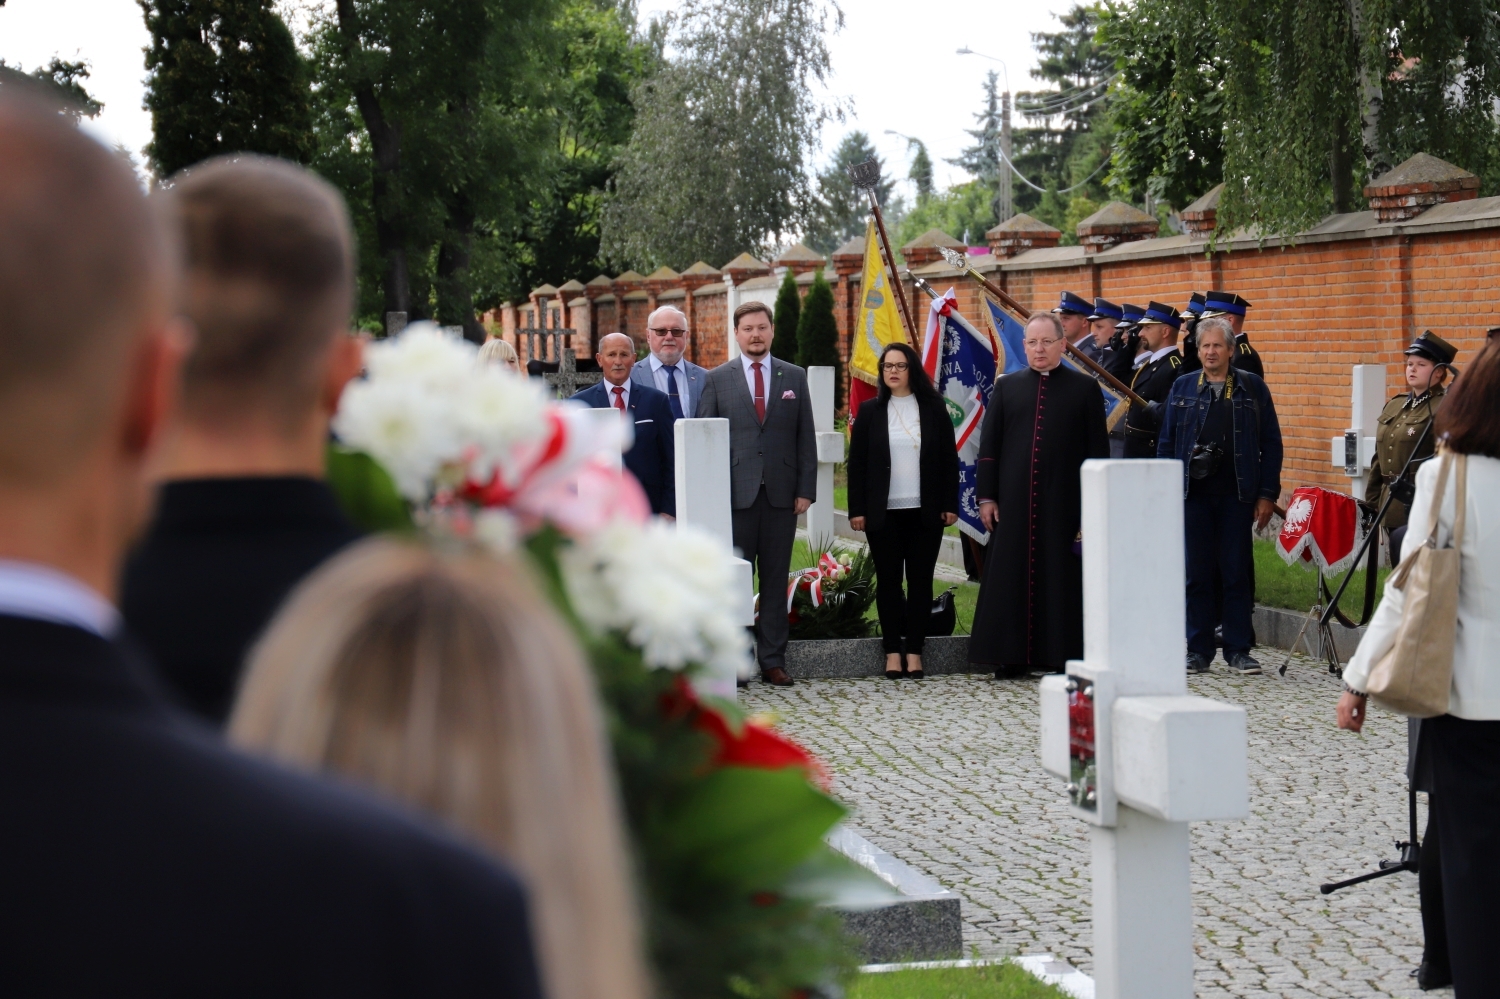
1357	693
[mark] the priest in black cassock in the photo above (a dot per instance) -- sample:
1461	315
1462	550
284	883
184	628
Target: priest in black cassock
1042	424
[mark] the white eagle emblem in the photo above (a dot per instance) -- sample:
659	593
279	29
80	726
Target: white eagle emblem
1299	513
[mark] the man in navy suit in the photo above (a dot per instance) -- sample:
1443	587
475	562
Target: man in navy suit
666	370
650	458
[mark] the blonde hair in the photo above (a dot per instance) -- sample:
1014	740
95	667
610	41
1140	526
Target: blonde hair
445	680
498	351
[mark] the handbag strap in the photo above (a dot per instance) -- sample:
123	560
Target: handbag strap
1460	501
1437	498
1398	578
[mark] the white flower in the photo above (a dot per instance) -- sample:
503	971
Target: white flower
668	589
423	354
497	530
409	430
498	414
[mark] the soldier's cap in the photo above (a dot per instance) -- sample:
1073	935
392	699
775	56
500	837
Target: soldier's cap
1195	305
1223	303
1157	313
1132	313
1073	303
1105	309
1433	347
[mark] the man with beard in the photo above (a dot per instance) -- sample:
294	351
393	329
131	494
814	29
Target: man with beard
1042	424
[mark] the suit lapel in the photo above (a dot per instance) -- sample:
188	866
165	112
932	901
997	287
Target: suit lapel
773	385
742	388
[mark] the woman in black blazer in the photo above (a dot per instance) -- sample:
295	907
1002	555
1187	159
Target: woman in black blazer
903	490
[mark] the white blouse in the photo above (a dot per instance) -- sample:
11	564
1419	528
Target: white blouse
1475	694
904	427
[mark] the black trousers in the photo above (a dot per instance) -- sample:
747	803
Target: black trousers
1466	801
1430	894
764	534
903	547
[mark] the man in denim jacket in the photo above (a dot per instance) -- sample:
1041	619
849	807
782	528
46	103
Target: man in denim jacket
1221	424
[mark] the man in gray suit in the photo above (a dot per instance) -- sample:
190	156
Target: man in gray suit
773	468
666	370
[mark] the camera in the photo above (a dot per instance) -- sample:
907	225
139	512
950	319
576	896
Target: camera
1204	461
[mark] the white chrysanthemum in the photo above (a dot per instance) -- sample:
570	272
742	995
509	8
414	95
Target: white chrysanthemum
409	429
496	413
497	530
668	589
423	354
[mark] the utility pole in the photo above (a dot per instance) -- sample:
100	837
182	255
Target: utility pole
1007	205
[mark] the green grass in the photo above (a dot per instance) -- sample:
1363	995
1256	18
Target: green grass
995	981
1280	585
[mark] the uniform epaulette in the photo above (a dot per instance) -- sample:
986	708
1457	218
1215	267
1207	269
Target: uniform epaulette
1245	348
1176	360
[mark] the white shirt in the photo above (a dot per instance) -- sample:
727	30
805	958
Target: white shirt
659	376
765	374
609	392
1158	355
1475	692
28	589
904	427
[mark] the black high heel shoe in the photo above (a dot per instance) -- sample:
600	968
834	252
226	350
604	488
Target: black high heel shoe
915	674
896	674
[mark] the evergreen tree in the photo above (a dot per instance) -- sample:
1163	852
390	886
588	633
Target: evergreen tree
840	210
63	79
921	171
788	312
224	76
818	335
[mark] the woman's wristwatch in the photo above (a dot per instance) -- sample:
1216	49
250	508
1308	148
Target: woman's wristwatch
1357	693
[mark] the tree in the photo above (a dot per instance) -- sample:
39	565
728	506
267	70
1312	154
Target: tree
818	334
840	210
64	80
964	211
223	76
982	160
921	170
717	162
788	314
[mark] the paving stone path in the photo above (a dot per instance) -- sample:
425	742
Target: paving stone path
944	774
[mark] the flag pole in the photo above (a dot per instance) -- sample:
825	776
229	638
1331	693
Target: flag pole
960	261
866	177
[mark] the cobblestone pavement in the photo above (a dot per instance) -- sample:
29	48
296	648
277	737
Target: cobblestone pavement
944	774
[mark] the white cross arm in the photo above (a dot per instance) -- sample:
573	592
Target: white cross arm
1181	759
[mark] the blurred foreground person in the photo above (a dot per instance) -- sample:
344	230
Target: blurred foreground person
498	351
146	858
1459	752
1042	425
444	680
244	513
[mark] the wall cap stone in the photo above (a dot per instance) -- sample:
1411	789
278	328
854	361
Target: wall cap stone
543	290
1113	224
1019	223
663	273
701	268
745	263
1416	185
572	285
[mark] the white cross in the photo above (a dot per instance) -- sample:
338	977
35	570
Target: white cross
830	444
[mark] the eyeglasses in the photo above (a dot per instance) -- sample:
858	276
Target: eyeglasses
670	332
1038	344
894	366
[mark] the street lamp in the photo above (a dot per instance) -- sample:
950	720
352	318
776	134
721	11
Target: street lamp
1006	207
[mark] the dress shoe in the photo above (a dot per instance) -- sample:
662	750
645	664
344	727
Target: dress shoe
1430	977
1012	671
777	677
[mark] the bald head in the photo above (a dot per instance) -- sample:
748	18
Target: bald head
268	282
617	338
84	271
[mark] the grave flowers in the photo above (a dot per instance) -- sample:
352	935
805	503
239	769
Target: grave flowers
830	599
726	816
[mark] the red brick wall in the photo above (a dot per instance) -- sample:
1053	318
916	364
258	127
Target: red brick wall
710	341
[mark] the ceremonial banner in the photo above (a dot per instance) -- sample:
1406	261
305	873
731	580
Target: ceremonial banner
962	363
1010	331
1321	528
879	323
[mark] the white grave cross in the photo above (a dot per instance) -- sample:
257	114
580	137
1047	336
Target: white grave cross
830	445
1142	757
704	498
1354	450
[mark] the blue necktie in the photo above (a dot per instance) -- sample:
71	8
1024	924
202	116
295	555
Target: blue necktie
673	399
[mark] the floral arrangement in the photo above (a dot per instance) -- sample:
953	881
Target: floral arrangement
830	599
727	817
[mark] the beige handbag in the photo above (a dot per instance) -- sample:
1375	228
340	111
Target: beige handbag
1414	677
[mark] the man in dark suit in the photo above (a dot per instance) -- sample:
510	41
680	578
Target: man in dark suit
773	468
650	458
146	857
665	368
244	513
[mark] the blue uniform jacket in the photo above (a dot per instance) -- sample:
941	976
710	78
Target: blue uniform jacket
1257	432
650	459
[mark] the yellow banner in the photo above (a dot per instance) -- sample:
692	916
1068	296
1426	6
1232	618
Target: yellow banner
879	320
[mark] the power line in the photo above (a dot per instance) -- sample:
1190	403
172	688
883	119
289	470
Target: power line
1058	105
1006	160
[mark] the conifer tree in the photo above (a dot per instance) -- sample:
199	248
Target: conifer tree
788	311
224	77
818	334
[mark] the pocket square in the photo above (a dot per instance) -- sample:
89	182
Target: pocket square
638	422
789	394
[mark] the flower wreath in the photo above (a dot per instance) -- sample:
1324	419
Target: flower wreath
726	816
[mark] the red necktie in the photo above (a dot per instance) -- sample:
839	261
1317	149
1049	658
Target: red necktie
620	398
760	394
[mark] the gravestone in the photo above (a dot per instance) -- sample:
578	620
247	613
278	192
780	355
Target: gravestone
395	322
830	446
1142	757
568	381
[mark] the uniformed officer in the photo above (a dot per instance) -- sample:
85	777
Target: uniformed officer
1153	380
1102	322
1190	317
1125	345
1400	430
1233	308
1073	312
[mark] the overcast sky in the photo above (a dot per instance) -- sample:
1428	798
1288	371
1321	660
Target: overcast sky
897	71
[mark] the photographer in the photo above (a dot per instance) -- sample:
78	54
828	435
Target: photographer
1221	424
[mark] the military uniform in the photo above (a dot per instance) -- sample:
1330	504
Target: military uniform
1152	381
1227	303
1400	428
